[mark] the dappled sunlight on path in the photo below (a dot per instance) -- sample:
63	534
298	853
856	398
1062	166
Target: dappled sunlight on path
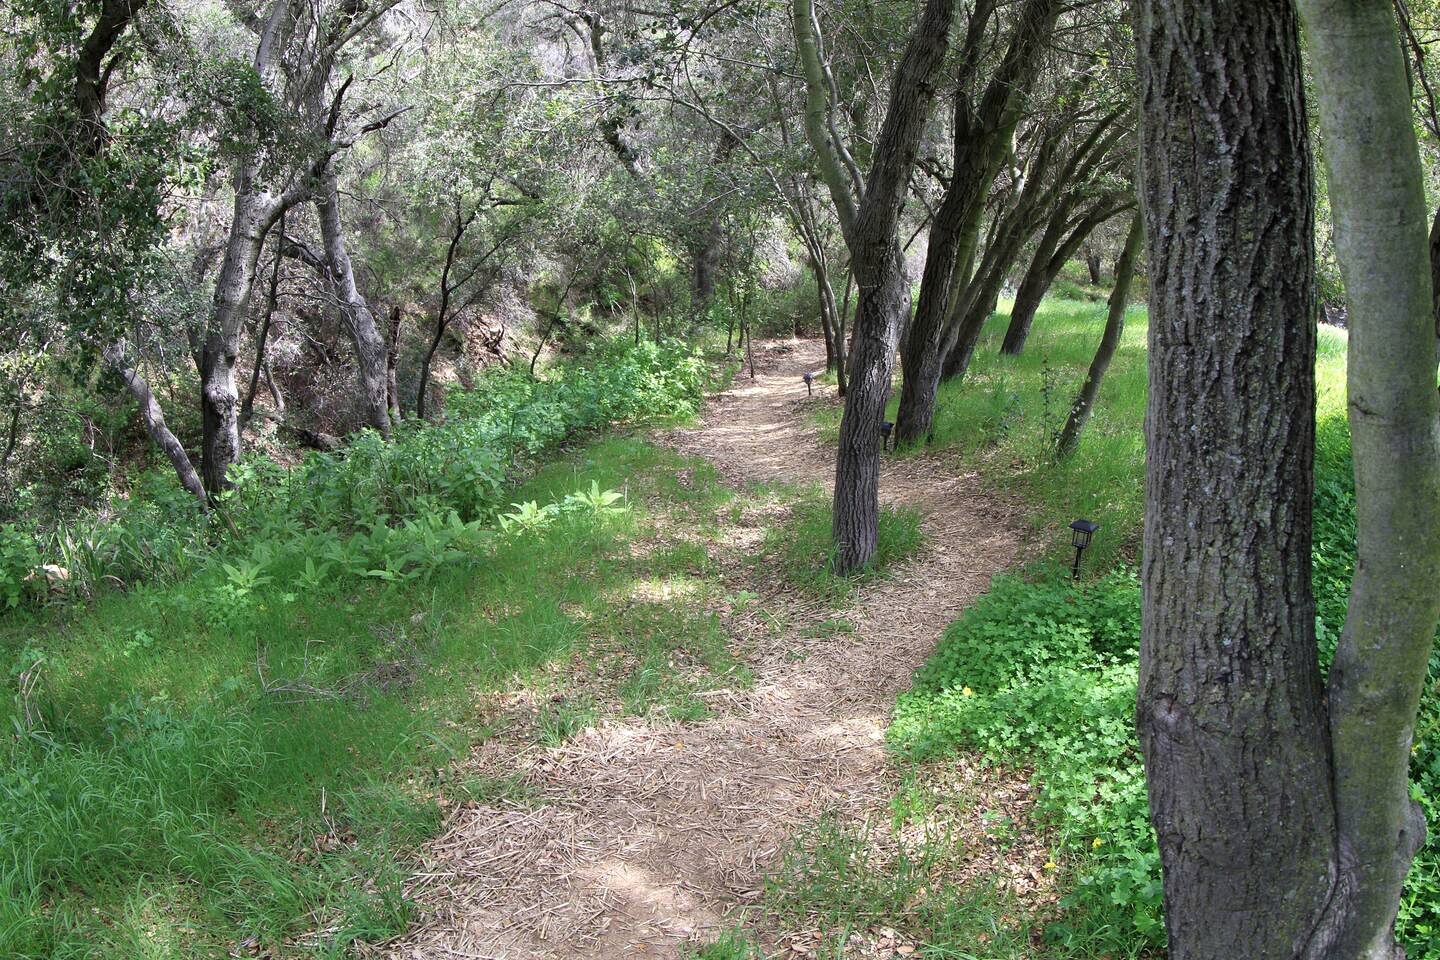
639	834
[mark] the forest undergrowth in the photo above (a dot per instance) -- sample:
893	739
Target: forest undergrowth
1040	673
230	733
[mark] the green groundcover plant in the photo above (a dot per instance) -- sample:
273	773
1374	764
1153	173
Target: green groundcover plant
428	480
1041	673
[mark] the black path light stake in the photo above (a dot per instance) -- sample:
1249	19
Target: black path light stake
1082	531
809	384
885	429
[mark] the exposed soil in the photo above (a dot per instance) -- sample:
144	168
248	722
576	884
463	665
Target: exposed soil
644	834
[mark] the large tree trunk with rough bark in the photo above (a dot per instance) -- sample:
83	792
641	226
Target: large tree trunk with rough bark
371	355
1230	709
1114	328
1377	193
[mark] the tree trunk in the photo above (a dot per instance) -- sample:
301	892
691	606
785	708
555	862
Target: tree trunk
1054	252
1092	264
870	228
825	299
371	355
154	419
1377	193
1114	328
983	137
272	300
842	344
1230	712
392	364
216	351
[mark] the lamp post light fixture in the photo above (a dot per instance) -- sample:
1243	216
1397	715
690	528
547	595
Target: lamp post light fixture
885	430
809	384
1081	533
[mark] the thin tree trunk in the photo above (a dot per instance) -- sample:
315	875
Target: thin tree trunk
1114	328
842	351
1377	193
371	355
1054	252
154	419
1230	710
1092	264
272	300
392	364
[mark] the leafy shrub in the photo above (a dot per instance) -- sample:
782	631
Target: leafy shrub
1042	673
432	482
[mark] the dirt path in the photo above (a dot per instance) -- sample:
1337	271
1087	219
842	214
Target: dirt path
650	833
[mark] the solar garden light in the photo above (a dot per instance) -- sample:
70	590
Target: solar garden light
1081	533
885	429
809	383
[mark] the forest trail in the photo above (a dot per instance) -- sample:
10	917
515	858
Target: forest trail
649	834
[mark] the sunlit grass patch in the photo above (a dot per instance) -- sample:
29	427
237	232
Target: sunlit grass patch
206	767
803	550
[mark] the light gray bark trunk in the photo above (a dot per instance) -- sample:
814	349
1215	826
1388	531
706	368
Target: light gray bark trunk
154	419
1377	194
371	356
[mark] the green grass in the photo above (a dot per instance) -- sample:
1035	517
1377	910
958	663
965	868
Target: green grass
1005	414
200	769
733	945
852	879
801	548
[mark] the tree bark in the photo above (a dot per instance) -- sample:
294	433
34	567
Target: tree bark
870	228
982	139
216	353
392	364
272	300
154	419
371	355
1114	328
1230	710
1377	194
1092	265
1055	250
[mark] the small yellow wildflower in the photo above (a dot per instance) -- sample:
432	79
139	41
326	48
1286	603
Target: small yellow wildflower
967	692
1051	865
1099	842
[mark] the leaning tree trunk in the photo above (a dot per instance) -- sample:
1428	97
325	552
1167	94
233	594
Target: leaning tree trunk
1377	194
1230	710
154	419
1114	328
983	138
879	263
371	355
1055	250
